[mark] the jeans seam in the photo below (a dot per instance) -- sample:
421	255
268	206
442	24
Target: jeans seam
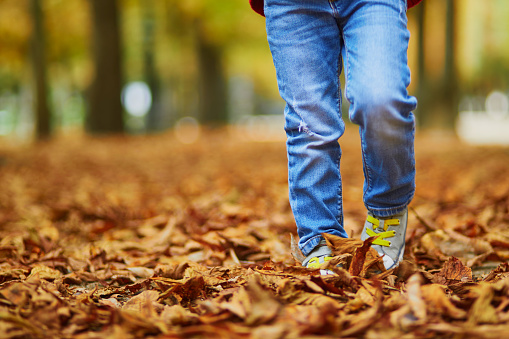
367	173
346	68
340	195
334	9
340	185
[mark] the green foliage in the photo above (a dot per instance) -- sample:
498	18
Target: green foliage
234	31
15	28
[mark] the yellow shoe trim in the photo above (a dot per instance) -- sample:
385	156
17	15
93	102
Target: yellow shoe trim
381	237
315	262
387	222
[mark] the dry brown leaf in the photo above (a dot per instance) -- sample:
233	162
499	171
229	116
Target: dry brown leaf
341	246
279	330
264	307
141	272
359	257
17	293
206	228
293	292
477	245
438	302
501	272
498	239
191	289
253	304
44	272
177	315
362	321
302	319
19	326
415	299
327	286
144	303
482	311
295	250
481	331
175	271
365	296
453	272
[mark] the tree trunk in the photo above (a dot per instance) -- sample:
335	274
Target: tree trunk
105	113
450	81
438	99
154	119
421	64
213	101
41	105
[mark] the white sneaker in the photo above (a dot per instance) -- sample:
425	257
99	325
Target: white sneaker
391	233
318	256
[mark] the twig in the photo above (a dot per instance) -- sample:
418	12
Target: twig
428	226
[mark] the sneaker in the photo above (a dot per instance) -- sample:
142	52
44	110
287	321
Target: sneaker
318	256
391	233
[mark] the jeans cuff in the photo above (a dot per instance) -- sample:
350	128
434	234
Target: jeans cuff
310	245
387	212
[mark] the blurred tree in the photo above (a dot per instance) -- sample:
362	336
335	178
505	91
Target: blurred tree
421	66
213	96
450	77
215	28
38	57
437	97
154	115
16	29
105	113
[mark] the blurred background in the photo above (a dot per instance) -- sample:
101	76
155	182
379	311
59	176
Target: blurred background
147	66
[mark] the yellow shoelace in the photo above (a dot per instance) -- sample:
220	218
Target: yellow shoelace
315	262
381	236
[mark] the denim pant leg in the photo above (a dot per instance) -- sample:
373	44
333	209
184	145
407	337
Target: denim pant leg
377	76
305	43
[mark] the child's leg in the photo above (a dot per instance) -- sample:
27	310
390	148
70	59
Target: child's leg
377	77
375	53
305	42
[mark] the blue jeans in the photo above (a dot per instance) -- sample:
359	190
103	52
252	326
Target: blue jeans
309	41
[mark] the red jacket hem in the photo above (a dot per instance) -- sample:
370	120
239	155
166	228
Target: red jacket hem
257	5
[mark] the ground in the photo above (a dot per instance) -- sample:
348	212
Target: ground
147	237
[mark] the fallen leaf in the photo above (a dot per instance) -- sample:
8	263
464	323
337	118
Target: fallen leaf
359	257
263	306
143	303
415	299
501	272
191	289
44	272
126	240
438	302
365	319
341	246
141	272
482	311
453	272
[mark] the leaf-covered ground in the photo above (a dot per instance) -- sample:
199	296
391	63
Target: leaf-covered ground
145	237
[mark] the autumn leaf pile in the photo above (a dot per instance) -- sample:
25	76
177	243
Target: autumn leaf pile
145	237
